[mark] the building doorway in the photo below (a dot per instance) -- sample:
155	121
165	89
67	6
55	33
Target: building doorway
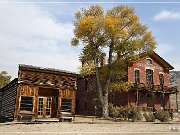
44	107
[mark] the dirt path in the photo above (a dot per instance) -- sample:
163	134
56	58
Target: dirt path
90	128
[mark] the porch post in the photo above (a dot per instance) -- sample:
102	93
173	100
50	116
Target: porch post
59	104
128	98
153	95
137	94
153	99
177	102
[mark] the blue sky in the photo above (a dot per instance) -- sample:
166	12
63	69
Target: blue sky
39	34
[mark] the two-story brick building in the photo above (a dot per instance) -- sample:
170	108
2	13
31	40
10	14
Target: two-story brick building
150	78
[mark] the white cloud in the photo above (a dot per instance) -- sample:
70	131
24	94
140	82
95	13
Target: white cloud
31	35
164	48
167	15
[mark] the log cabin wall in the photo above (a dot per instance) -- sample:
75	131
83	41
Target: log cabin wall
39	82
1	94
8	100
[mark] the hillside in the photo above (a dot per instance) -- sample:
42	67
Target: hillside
174	77
175	80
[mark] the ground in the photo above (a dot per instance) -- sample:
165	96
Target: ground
90	126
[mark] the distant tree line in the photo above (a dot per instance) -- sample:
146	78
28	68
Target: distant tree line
4	78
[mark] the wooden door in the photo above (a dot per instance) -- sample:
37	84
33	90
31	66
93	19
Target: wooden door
44	107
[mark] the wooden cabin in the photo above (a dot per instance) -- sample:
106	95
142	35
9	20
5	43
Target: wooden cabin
150	79
42	92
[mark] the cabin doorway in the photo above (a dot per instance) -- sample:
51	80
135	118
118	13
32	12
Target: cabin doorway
45	107
47	102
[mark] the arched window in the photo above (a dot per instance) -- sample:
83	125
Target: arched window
161	79
149	61
137	76
149	76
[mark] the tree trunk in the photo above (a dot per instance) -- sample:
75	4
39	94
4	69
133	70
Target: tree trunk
105	107
103	97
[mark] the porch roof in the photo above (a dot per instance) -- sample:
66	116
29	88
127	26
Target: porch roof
155	88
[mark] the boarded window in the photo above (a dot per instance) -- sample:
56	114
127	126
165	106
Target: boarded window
137	76
26	103
66	105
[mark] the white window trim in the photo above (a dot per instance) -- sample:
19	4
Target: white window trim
161	73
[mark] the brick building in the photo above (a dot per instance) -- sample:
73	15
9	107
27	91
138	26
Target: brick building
150	79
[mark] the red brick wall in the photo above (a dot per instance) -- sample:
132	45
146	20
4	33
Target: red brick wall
142	66
85	95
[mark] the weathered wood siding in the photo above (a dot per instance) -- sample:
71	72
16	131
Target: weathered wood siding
43	82
26	90
68	94
9	100
1	94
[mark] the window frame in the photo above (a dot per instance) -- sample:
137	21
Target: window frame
161	79
149	61
21	103
149	76
137	76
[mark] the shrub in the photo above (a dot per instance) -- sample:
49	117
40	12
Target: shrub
113	111
125	113
149	117
162	115
135	114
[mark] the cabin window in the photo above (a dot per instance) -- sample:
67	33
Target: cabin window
137	76
26	103
149	76
66	105
149	61
161	79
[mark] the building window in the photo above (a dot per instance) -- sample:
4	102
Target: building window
26	103
113	98
161	79
137	76
149	76
137	98
85	106
66	105
86	84
149	61
161	100
149	99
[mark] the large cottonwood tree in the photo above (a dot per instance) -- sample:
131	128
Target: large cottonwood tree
116	34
